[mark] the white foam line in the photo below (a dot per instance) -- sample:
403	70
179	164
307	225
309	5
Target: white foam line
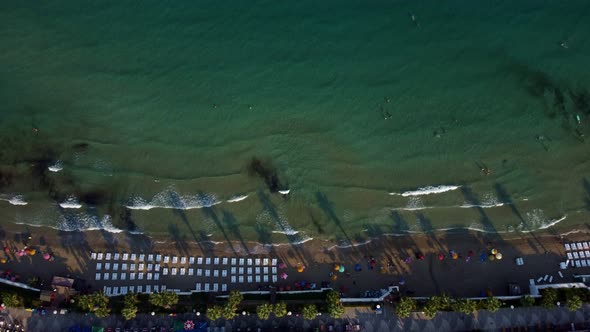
464	206
553	223
55	167
426	191
287	232
237	198
15	200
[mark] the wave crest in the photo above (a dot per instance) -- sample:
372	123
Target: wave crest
426	191
171	199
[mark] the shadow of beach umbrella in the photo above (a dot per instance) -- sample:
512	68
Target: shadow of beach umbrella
284	275
498	256
341	269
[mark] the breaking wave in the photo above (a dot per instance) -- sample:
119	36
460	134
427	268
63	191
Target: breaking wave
170	199
426	191
56	167
237	198
14	200
70	203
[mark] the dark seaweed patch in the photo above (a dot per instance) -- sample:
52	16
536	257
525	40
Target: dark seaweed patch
80	146
266	171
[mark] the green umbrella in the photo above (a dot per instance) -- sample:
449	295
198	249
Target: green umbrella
341	268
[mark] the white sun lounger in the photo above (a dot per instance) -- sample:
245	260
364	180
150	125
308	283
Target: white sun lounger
257	278
274	269
115	266
550	279
580	246
242	261
157	267
125	256
224	287
156	276
109	291
116	256
198	287
567	247
577	263
131	289
133	257
149	276
233	270
191	260
140	276
241	279
140	289
240	270
265	278
163	288
208	260
97	277
132	266
199	272
123	276
216	261
93	255
158	258
233	279
191	272
150	267
115	290
216	273
250	262
183	260
174	260
174	271
576	256
182	271
583	262
233	261
132	276
265	270
107	256
582	255
124	290
106	276
124	267
166	259
585	245
148	288
224	261
165	271
141	267
546	277
199	260
257	261
250	279
265	261
224	273
206	287
98	266
215	287
114	276
249	270
207	273
99	256
156	288
274	261
151	257
570	256
257	269
107	266
274	278
142	257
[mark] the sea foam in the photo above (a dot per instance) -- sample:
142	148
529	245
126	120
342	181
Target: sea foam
70	203
56	167
14	200
426	191
170	199
237	198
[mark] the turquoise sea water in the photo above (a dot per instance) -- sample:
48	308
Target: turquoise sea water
151	111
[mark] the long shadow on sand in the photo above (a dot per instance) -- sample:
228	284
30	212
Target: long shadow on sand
505	198
234	228
489	230
210	213
586	185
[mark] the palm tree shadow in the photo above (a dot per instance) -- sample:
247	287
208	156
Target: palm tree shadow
586	185
209	212
327	208
234	228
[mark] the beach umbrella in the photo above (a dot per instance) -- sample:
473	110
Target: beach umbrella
7	250
336	267
341	269
2	260
358	267
20	253
300	268
383	270
441	257
284	275
46	256
189	325
373	262
282	265
483	257
334	277
492	257
494	251
455	255
32	252
498	256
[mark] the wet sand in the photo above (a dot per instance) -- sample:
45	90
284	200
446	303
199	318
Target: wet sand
542	252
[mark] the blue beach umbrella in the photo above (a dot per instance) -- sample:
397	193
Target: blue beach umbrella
358	267
483	257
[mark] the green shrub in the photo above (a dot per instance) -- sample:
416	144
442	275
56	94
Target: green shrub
465	306
309	312
263	311
549	297
335	308
215	312
527	301
165	300
405	307
12	300
280	309
574	303
491	304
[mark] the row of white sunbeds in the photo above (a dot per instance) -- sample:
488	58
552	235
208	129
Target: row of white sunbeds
578	254
123	290
577	246
183	271
123	276
183	260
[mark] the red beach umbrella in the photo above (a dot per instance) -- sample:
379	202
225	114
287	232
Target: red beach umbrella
441	257
189	325
7	250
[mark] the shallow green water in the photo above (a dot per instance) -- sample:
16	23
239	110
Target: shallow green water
166	105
